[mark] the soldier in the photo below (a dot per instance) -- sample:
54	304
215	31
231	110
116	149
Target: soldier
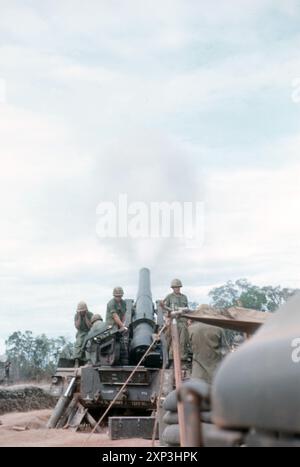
7	370
178	300
116	310
97	328
97	324
206	341
83	324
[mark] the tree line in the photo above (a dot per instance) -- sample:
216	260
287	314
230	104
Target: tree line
36	357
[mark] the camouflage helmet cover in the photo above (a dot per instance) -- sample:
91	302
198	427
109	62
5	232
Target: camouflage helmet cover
176	283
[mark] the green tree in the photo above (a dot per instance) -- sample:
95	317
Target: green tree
243	293
34	357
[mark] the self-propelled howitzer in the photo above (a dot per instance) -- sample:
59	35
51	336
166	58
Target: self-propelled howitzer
112	356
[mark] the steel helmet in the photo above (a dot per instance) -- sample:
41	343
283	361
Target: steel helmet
82	306
96	318
176	283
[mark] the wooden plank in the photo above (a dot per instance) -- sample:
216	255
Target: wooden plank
227	323
75	420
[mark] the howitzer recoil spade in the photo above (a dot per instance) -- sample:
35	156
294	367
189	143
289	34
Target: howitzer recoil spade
62	404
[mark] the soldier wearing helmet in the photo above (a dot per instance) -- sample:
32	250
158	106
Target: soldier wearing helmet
96	318
116	310
96	325
97	328
82	324
178	300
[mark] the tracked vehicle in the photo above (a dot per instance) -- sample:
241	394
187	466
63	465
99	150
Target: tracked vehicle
112	356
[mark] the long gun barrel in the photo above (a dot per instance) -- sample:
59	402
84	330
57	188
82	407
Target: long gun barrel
143	324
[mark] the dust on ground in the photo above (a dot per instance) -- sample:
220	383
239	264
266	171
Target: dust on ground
36	435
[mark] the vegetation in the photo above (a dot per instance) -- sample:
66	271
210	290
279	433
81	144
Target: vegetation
243	293
34	357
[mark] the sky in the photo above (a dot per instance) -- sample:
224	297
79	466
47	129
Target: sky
164	101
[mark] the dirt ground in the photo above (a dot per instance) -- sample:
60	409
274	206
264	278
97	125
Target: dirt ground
37	435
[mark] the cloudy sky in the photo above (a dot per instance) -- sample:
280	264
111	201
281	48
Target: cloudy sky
169	100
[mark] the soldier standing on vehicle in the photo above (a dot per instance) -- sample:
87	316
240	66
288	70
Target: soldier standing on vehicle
206	344
82	324
178	300
116	310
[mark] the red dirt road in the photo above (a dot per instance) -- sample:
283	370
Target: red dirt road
37	435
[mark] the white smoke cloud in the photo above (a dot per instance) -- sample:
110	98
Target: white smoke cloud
148	167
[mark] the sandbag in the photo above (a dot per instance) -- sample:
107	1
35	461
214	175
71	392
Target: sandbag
197	385
171	418
171	435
